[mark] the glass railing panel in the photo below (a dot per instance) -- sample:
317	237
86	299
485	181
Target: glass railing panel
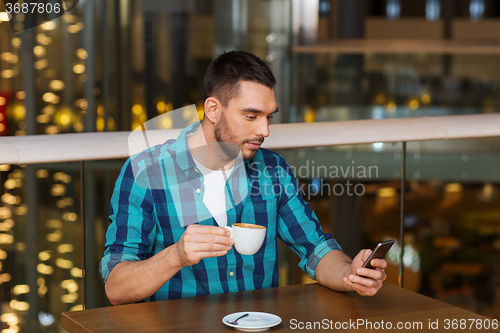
40	245
99	181
453	222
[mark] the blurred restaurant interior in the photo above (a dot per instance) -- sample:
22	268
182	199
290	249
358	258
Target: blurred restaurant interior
111	65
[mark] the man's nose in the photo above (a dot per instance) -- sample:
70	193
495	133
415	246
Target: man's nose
262	129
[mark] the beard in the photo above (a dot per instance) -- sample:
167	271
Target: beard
228	144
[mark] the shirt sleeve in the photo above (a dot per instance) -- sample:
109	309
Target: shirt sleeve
130	236
298	225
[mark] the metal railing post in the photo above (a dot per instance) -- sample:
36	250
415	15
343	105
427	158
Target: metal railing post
402	216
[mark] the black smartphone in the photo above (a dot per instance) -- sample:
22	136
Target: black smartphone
379	252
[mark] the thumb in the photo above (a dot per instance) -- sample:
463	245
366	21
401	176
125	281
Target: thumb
366	254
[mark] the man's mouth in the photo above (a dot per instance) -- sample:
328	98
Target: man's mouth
254	145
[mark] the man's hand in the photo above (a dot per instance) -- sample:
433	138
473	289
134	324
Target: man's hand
367	281
201	241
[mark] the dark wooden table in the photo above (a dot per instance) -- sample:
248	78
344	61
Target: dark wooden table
297	306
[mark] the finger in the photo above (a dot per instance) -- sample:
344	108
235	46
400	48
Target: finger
348	283
364	281
367	286
208	238
373	274
379	263
366	254
363	290
206	247
207	229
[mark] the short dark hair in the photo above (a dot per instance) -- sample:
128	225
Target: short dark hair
225	72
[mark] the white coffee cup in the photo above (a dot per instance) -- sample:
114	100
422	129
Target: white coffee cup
248	238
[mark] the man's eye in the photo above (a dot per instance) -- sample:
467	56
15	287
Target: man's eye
270	116
251	117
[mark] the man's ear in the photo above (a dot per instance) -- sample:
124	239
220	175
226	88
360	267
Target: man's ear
212	109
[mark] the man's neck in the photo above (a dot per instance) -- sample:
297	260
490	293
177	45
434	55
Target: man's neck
199	146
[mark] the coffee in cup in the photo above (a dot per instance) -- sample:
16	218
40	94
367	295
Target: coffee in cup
248	238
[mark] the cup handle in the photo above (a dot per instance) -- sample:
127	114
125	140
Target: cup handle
230	230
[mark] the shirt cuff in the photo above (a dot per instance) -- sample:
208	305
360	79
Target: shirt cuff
320	250
110	260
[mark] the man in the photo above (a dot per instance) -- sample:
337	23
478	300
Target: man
166	240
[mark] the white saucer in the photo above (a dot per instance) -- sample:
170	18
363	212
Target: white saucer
255	322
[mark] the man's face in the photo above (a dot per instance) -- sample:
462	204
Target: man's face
245	120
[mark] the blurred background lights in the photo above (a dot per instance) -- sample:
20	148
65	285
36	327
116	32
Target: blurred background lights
46	319
79	68
386	192
64	117
6	239
63	263
70	285
426	98
7	73
137	109
186	114
56	224
69	298
57	85
54	237
5	277
74	28
76	272
58	190
16	42
81	53
68	18
161	107
10	319
453	188
5	212
21	289
39	51
44	269
71	217
4	17
42	173
77	307
413	104
44	256
49	97
42	290
377	146
41	64
20	95
50	25
65	248
19	306
166	123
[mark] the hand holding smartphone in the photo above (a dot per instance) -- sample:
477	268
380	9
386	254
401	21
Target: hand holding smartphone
378	253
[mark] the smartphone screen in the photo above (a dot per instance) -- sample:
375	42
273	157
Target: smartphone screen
379	252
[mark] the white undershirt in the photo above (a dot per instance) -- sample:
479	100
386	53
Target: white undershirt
214	196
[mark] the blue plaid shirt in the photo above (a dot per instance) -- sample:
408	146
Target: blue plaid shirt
150	209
